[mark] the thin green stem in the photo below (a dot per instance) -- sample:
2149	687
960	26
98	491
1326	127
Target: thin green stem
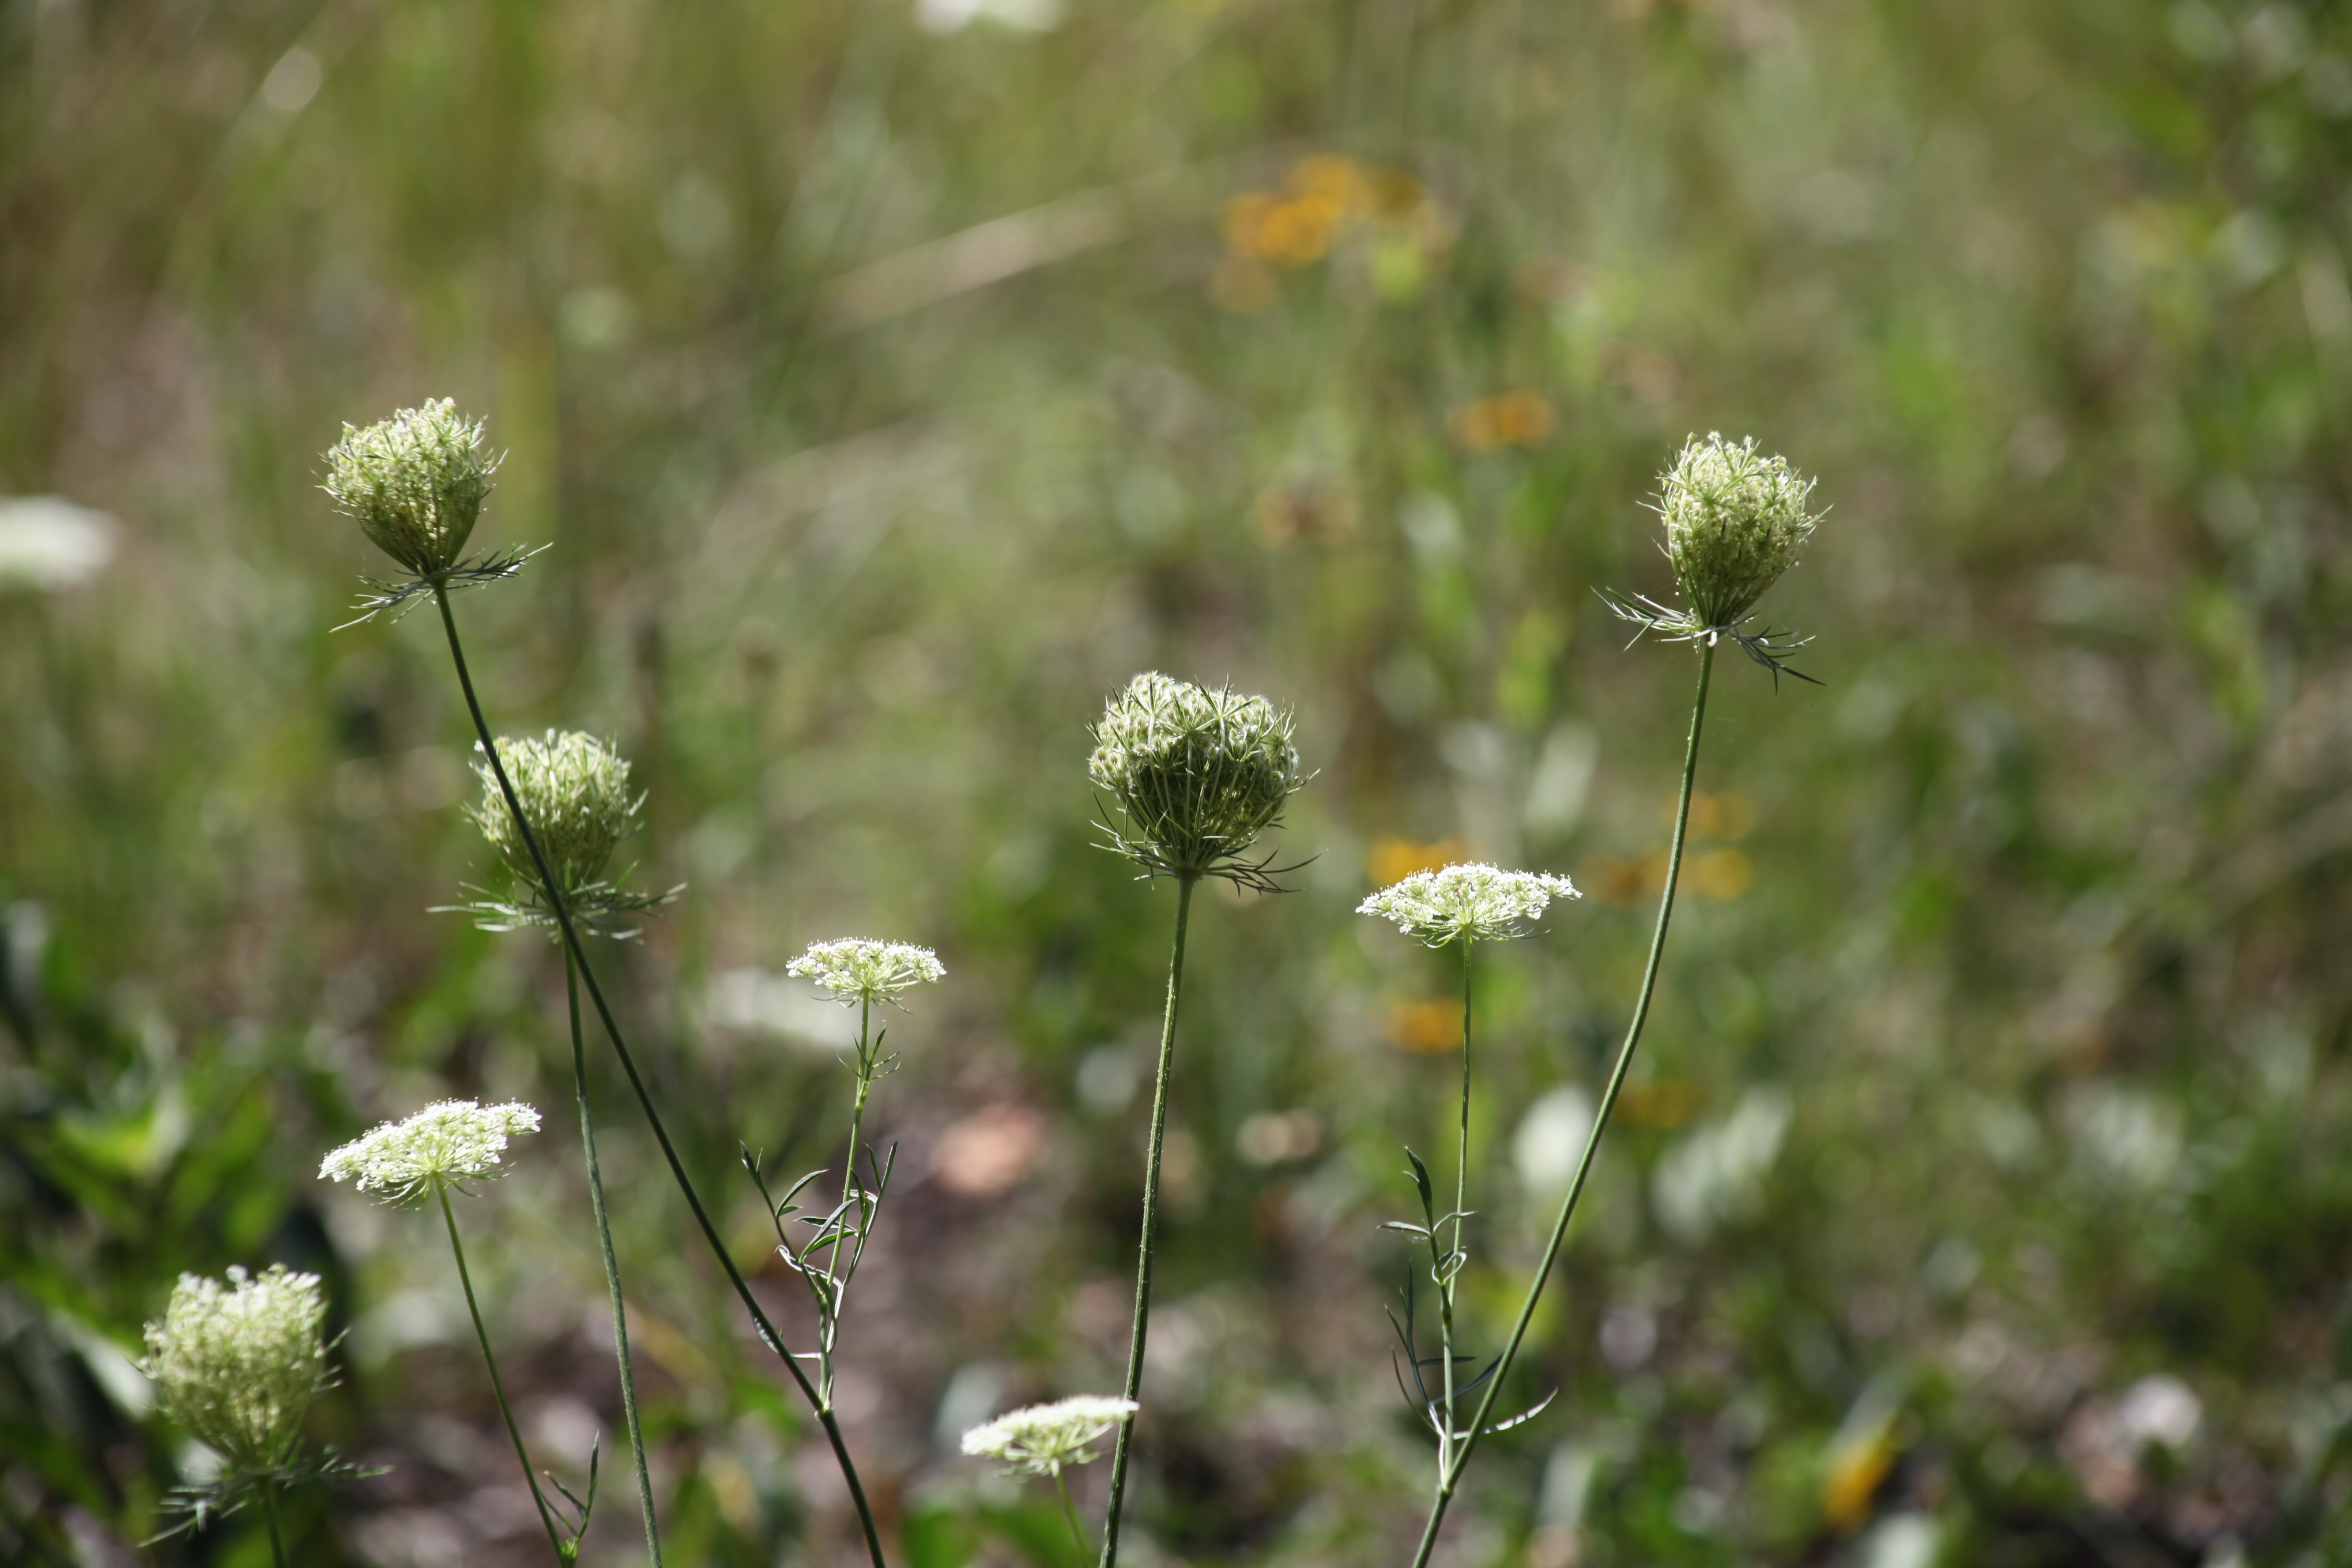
269	1512
498	1385
1461	1204
1184	886
612	1262
562	909
1070	1512
1452	1476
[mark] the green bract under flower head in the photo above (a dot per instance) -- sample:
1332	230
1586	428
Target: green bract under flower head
1200	774
236	1364
1470	902
454	1140
575	790
856	970
1042	1438
414	483
1735	521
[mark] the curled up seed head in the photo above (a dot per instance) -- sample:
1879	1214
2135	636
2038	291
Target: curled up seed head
1197	773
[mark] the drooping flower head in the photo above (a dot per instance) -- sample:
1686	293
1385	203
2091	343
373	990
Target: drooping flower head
1735	519
574	789
1199	774
1042	1438
454	1140
859	971
236	1364
414	483
1467	902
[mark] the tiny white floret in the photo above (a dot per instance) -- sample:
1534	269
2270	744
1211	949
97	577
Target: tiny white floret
1042	1438
856	970
1467	902
453	1140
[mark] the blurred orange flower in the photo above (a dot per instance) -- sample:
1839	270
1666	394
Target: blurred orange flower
1519	419
1392	860
1425	1026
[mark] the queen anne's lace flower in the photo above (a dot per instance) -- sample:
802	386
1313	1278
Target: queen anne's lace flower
856	970
1200	774
237	1364
1735	521
574	789
455	1139
1042	1438
1468	902
414	483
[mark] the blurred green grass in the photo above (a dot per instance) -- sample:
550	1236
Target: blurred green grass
893	382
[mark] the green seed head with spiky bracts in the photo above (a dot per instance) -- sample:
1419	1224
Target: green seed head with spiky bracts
1735	519
575	790
1199	773
237	1364
414	483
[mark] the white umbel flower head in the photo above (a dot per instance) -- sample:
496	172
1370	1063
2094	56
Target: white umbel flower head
455	1139
236	1364
1468	902
1735	521
861	971
1041	1439
575	790
1199	773
414	483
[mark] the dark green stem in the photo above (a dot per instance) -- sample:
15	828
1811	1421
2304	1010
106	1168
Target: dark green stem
612	1262
269	1512
1452	1478
498	1385
1184	886
562	909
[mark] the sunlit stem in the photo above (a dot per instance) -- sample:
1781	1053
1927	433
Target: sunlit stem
1451	1476
612	1262
1184	885
498	1385
1451	1268
562	909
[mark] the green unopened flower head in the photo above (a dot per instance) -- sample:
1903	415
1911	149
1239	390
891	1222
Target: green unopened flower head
237	1363
1199	774
1735	520
455	1140
414	483
574	789
856	970
1041	1439
1468	902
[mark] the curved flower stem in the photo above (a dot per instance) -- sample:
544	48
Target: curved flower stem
269	1512
562	909
612	1262
1184	886
1452	1476
498	1385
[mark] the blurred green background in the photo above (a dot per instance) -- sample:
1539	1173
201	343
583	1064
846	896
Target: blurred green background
892	381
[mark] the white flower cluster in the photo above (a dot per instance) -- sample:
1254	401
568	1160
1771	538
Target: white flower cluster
1735	521
1468	902
1042	1438
414	483
237	1364
1199	774
856	970
454	1140
574	789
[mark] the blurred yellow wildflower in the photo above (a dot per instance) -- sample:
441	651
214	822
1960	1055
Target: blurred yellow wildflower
1392	860
1516	419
